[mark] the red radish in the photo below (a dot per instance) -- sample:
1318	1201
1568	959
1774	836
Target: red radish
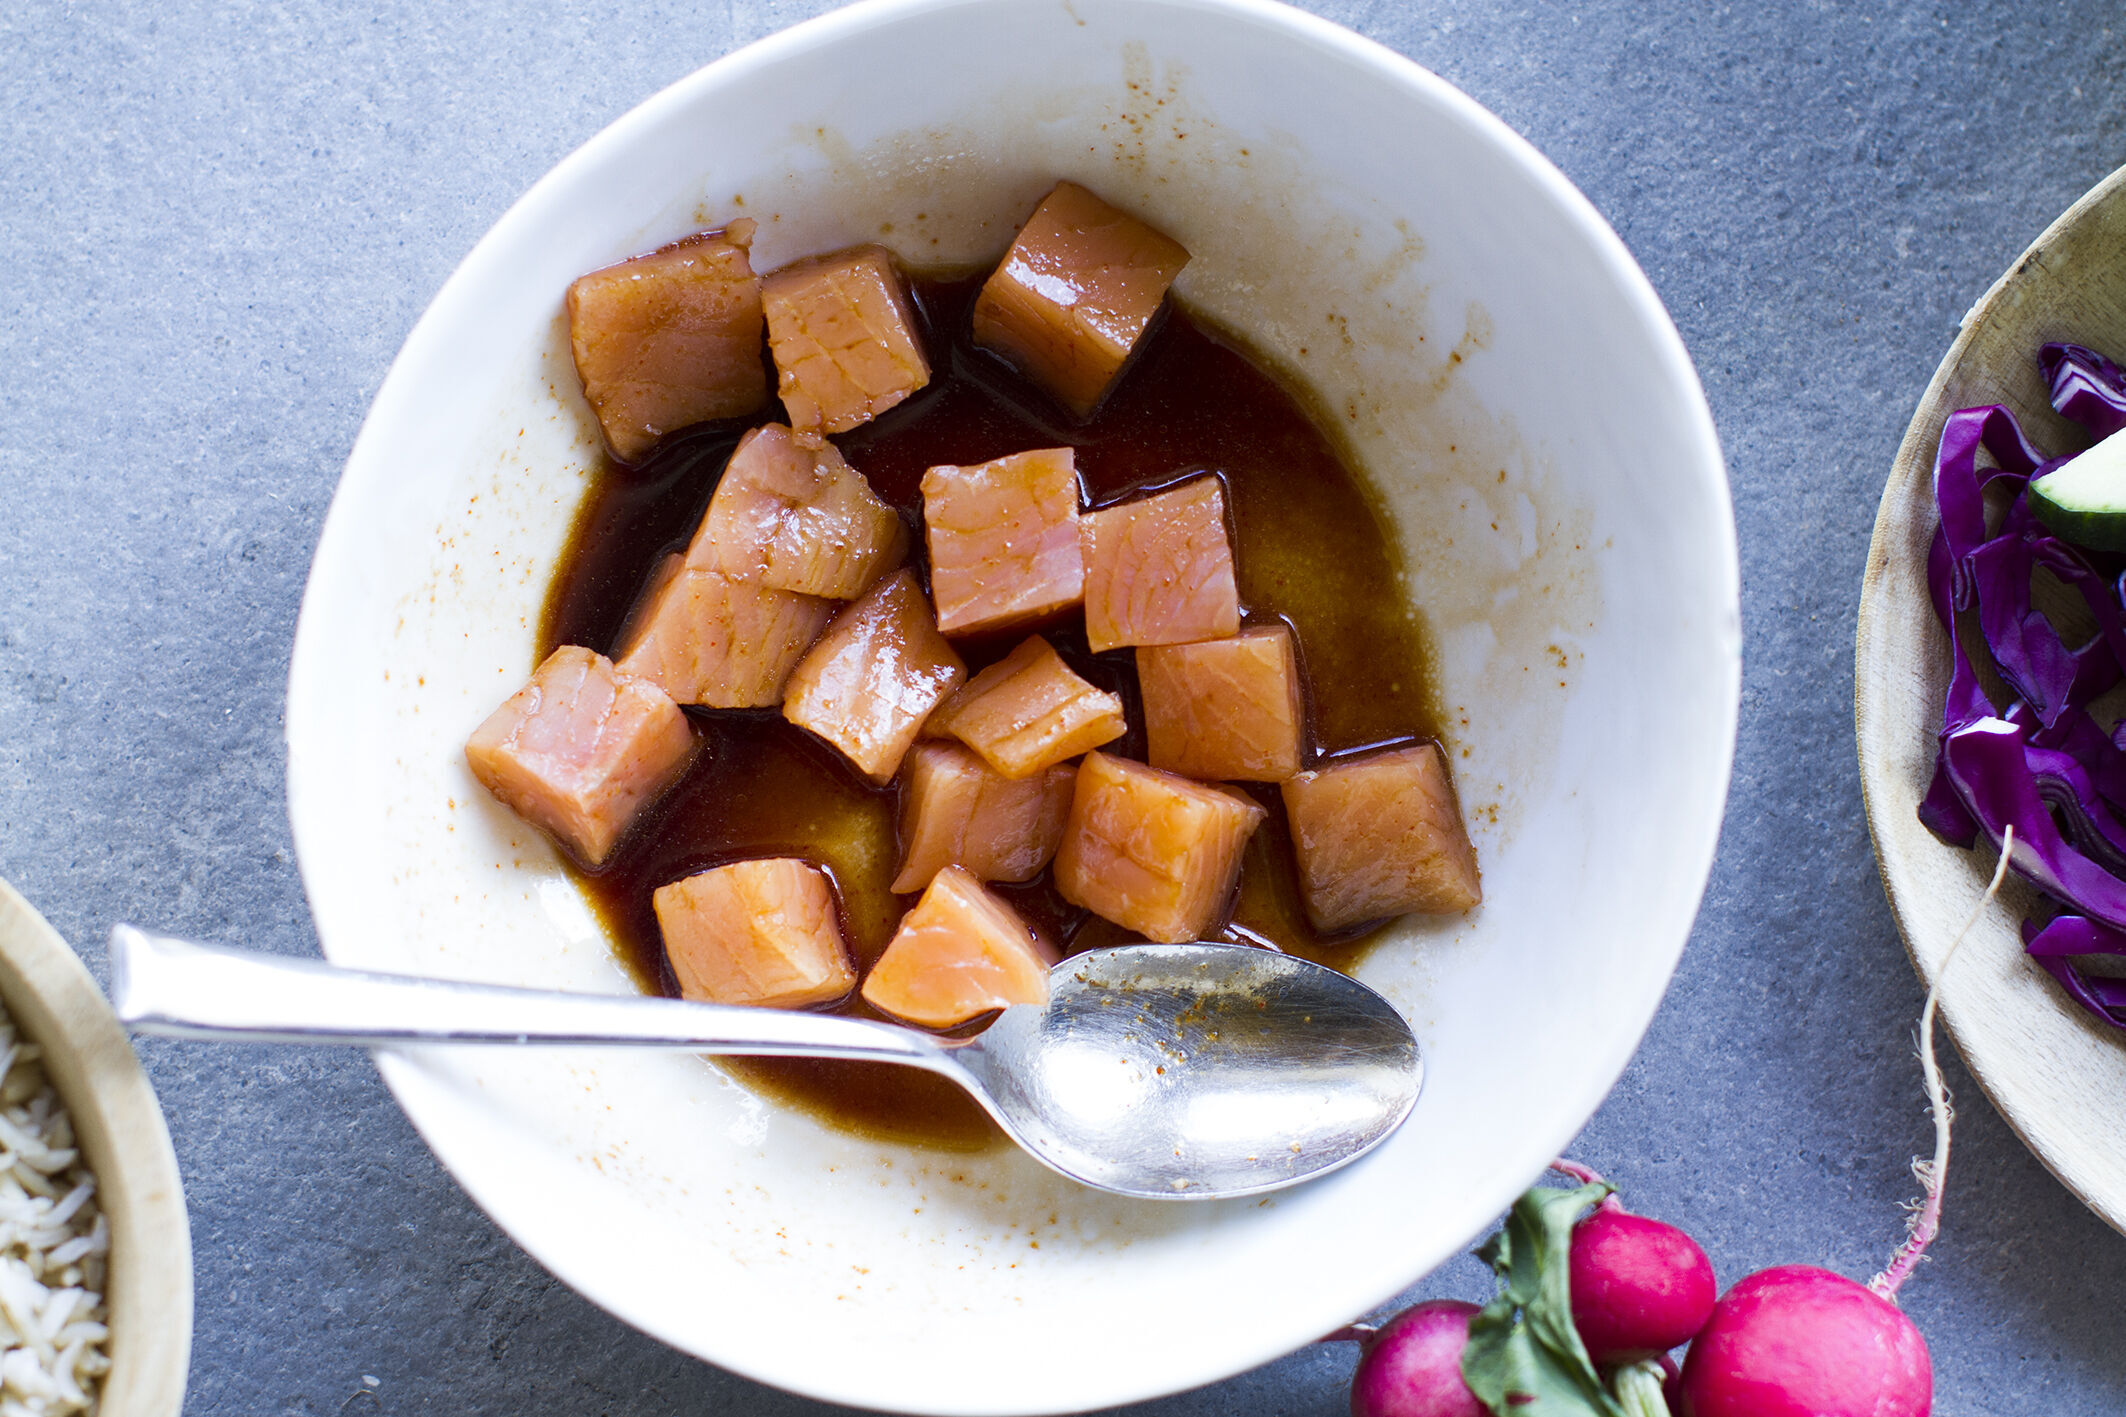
1589	1303
1639	1287
1412	1366
1796	1341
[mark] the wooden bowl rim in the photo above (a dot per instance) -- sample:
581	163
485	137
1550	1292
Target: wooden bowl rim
2103	1192
119	1126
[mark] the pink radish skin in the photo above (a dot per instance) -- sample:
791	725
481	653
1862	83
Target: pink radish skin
1639	1287
1413	1366
1796	1341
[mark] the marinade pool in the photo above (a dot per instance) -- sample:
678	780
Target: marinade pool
1311	548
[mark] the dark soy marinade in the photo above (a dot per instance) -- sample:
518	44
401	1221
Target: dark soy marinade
1310	547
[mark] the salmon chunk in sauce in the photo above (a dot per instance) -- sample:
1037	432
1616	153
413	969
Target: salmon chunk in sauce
960	953
844	339
581	749
1151	851
670	339
762	933
1003	540
874	677
1159	570
706	639
1380	835
797	519
1075	293
956	810
1224	710
1028	712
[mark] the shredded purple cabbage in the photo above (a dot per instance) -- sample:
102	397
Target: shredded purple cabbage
2041	763
2086	387
2055	947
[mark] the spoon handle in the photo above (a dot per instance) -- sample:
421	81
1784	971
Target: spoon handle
184	990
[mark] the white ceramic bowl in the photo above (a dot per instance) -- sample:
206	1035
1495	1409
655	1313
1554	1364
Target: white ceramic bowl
1519	397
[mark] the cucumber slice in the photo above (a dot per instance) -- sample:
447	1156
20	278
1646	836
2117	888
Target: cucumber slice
2083	500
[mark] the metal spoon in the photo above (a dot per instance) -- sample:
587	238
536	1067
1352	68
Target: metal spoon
1194	1071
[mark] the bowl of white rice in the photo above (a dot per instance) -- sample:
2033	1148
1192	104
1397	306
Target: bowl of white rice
95	1253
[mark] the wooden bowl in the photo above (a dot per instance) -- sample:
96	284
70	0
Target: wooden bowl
2055	1072
119	1127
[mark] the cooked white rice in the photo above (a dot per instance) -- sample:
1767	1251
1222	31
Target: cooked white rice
53	1246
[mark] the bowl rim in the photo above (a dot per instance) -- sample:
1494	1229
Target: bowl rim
120	1128
1695	432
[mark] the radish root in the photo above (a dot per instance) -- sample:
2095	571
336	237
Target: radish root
1587	1176
1350	1333
1933	1173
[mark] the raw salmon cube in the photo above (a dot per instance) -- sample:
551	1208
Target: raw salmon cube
1003	540
1159	570
1380	835
755	932
956	810
1028	712
1224	709
959	954
1151	851
844	339
874	676
669	339
1075	293
706	639
797	519
581	749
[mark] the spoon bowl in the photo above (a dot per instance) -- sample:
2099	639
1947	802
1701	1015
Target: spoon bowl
1196	1070
1189	1072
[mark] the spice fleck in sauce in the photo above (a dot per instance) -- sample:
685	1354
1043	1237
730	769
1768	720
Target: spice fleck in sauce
1311	548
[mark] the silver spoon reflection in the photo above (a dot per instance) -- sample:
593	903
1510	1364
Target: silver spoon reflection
1191	1071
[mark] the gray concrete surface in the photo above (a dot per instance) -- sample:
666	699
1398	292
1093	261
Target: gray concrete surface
217	223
